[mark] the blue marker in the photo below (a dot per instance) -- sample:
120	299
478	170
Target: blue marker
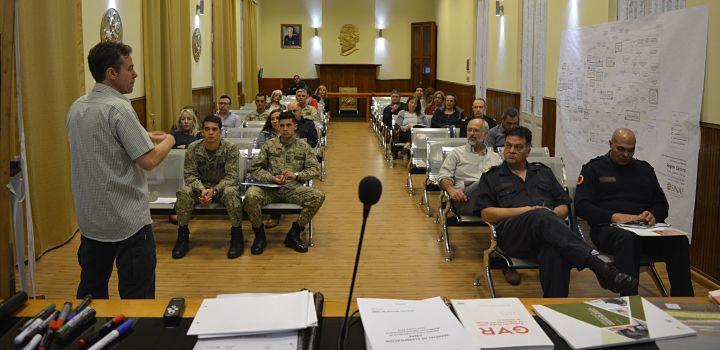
116	333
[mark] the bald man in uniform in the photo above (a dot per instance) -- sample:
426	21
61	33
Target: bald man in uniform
617	188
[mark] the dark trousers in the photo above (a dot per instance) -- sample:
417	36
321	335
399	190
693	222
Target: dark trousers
539	235
628	247
135	260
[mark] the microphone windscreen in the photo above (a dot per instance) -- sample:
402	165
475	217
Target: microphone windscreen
369	190
9	305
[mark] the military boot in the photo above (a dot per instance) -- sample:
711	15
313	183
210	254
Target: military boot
293	240
182	245
237	243
612	279
260	242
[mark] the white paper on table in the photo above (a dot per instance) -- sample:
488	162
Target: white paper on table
165	200
412	324
312	312
501	323
253	315
274	341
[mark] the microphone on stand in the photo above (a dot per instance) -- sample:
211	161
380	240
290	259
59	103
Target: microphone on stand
369	192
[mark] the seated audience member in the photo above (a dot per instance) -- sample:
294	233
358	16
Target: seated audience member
296	84
288	162
420	94
270	129
448	115
260	113
275	99
305	128
409	118
437	101
187	128
527	206
617	188
461	170
321	97
211	175
394	107
229	119
308	111
478	109
496	136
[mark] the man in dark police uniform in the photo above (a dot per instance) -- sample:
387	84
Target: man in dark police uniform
617	188
527	206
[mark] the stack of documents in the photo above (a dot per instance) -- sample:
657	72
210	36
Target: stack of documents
502	323
253	319
657	230
604	323
411	324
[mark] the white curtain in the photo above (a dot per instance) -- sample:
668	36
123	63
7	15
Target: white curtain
481	49
630	9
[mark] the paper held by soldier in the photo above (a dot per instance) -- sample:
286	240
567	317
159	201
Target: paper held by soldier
260	184
658	230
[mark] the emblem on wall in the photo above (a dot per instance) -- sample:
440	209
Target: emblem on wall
196	44
111	26
348	37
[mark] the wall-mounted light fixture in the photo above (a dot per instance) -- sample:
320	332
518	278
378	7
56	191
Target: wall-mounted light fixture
316	32
499	8
200	8
380	33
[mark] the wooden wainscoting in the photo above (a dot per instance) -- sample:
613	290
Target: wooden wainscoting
465	93
548	124
387	85
705	240
267	85
499	100
202	99
240	94
138	104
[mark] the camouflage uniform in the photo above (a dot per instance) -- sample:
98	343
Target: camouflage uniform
310	112
203	169
274	158
254	115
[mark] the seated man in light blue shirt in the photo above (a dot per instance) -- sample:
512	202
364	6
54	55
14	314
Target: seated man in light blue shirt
229	119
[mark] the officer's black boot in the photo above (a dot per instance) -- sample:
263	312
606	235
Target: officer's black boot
293	240
259	243
612	279
182	245
237	243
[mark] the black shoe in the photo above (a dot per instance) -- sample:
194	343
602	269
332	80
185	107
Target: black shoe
612	279
511	276
237	243
260	242
293	240
182	245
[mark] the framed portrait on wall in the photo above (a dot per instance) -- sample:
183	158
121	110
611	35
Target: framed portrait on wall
291	36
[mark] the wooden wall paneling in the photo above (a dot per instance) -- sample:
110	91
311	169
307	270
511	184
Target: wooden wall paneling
362	76
268	85
465	94
241	94
499	100
139	105
387	85
548	124
705	239
7	267
202	99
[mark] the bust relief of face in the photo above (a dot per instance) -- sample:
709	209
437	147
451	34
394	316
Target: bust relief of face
348	37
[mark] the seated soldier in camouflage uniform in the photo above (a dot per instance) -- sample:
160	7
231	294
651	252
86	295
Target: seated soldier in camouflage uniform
260	113
211	175
289	162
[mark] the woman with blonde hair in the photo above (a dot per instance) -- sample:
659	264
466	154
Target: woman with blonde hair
438	101
187	128
275	99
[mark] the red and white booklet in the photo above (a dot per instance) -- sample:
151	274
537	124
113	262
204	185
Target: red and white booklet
502	323
714	296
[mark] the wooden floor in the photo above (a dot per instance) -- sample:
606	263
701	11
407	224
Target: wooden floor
401	256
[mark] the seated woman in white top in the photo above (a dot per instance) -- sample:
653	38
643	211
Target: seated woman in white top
408	119
275	99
